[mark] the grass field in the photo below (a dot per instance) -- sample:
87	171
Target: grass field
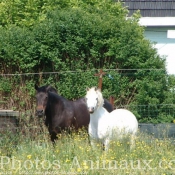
34	154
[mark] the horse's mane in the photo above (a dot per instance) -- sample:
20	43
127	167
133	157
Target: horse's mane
100	98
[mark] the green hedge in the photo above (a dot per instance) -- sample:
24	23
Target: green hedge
76	41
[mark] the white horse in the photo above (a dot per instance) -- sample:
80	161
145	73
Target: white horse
105	126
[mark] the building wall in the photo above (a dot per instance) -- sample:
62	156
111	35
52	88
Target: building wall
157	17
165	46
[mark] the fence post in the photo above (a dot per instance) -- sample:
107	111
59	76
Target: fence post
111	100
100	81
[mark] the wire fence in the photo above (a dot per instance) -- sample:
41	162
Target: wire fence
27	122
32	125
76	71
12	130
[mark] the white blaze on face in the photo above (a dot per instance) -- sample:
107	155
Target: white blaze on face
91	100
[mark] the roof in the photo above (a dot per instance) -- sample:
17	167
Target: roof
151	8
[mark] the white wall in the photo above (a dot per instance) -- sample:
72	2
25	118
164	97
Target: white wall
165	46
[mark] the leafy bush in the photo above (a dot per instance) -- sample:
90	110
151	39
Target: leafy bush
5	85
74	40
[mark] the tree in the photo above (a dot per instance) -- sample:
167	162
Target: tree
26	12
83	36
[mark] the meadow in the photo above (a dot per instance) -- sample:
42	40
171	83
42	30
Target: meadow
31	152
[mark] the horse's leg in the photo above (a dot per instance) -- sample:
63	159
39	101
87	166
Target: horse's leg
92	142
53	137
89	139
132	141
106	144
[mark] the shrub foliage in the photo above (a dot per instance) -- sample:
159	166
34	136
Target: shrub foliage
74	39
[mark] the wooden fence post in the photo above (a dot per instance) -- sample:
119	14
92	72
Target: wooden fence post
100	81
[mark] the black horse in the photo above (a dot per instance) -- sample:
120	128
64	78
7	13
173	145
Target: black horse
62	114
107	105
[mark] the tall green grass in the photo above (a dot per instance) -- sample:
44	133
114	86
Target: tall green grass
23	153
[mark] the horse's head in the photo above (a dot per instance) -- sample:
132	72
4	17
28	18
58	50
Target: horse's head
41	98
93	98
